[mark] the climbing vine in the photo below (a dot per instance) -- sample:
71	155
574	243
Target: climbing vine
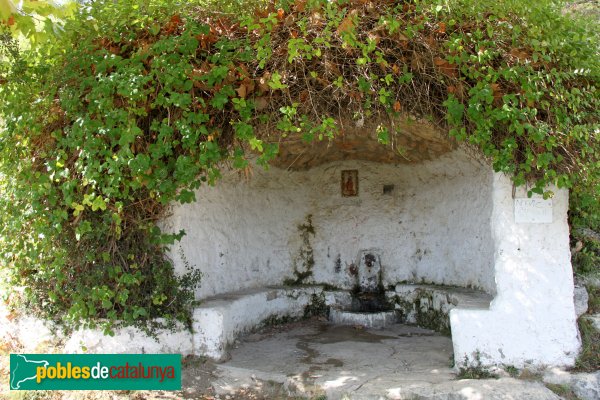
136	104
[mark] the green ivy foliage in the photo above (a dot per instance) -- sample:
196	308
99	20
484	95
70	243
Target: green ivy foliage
138	103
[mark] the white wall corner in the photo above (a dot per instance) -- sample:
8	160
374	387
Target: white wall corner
532	320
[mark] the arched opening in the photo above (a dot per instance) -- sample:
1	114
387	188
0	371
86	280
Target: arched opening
440	225
424	213
420	208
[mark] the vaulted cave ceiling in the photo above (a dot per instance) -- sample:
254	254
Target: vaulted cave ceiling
416	141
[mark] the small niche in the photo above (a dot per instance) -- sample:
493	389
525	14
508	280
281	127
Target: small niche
388	189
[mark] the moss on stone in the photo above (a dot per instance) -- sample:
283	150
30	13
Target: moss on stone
426	317
305	257
317	306
275	320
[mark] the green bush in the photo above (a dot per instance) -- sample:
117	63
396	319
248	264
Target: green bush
135	105
589	357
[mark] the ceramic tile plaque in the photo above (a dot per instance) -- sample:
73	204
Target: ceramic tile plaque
533	211
349	183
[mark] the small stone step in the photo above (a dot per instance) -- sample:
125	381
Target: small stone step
376	320
468	389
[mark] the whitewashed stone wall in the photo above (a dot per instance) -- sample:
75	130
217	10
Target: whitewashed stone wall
531	320
433	227
448	221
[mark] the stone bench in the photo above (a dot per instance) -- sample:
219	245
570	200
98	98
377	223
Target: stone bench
429	306
220	319
216	324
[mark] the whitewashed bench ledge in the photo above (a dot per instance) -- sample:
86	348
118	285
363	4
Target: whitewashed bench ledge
429	306
220	319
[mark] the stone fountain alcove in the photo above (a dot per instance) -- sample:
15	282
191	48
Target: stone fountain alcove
431	212
426	214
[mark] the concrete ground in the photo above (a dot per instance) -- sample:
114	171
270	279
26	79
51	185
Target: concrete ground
317	360
317	357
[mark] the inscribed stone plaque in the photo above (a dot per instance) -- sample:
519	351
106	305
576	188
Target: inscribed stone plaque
533	211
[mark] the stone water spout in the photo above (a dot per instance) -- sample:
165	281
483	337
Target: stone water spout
369	272
369	295
369	306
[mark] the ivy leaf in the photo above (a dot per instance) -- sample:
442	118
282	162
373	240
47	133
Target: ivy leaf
455	110
139	312
98	204
239	161
78	209
83	228
189	45
256	144
216	75
383	135
219	100
275	82
186	196
222	97
127	137
244	131
364	85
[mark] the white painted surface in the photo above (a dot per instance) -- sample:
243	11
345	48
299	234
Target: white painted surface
531	320
437	298
33	335
377	320
219	320
533	211
433	227
130	340
30	335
